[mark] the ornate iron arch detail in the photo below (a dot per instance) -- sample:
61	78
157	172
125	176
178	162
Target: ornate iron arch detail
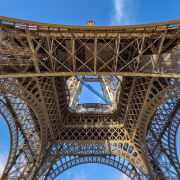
24	136
172	140
168	126
124	151
13	131
109	161
14	94
168	93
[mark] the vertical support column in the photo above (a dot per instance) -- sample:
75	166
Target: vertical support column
129	100
75	88
34	55
140	51
117	42
57	101
50	52
107	89
95	53
77	92
160	48
110	86
73	52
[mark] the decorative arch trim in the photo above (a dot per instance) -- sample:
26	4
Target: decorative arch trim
12	87
170	92
121	150
127	170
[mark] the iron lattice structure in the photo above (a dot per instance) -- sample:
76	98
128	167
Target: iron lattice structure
38	63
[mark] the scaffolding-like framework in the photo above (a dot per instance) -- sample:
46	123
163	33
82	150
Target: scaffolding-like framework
138	69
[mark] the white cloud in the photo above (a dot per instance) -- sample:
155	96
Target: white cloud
124	177
94	168
81	176
3	160
68	174
121	12
98	99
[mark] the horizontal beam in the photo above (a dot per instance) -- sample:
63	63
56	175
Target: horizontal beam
103	142
32	23
94	126
18	75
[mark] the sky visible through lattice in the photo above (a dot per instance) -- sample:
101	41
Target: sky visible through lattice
88	96
103	12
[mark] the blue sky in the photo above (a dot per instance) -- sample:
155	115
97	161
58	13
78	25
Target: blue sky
91	97
104	13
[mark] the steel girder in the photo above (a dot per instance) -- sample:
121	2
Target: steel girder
75	88
32	49
138	138
110	86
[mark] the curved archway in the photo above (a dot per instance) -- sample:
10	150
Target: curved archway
93	171
168	93
19	103
64	152
23	133
112	161
4	143
178	142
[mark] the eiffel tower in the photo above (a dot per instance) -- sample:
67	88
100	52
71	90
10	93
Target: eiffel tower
138	69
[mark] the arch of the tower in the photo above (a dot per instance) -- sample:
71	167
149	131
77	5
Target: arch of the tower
112	161
122	156
162	116
23	115
164	126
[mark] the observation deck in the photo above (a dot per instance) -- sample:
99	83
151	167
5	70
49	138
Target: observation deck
89	50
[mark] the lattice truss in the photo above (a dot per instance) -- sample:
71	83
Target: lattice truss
110	87
75	88
138	70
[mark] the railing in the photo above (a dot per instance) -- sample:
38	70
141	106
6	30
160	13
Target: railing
89	107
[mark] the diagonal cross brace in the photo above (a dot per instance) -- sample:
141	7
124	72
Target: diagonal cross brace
93	90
